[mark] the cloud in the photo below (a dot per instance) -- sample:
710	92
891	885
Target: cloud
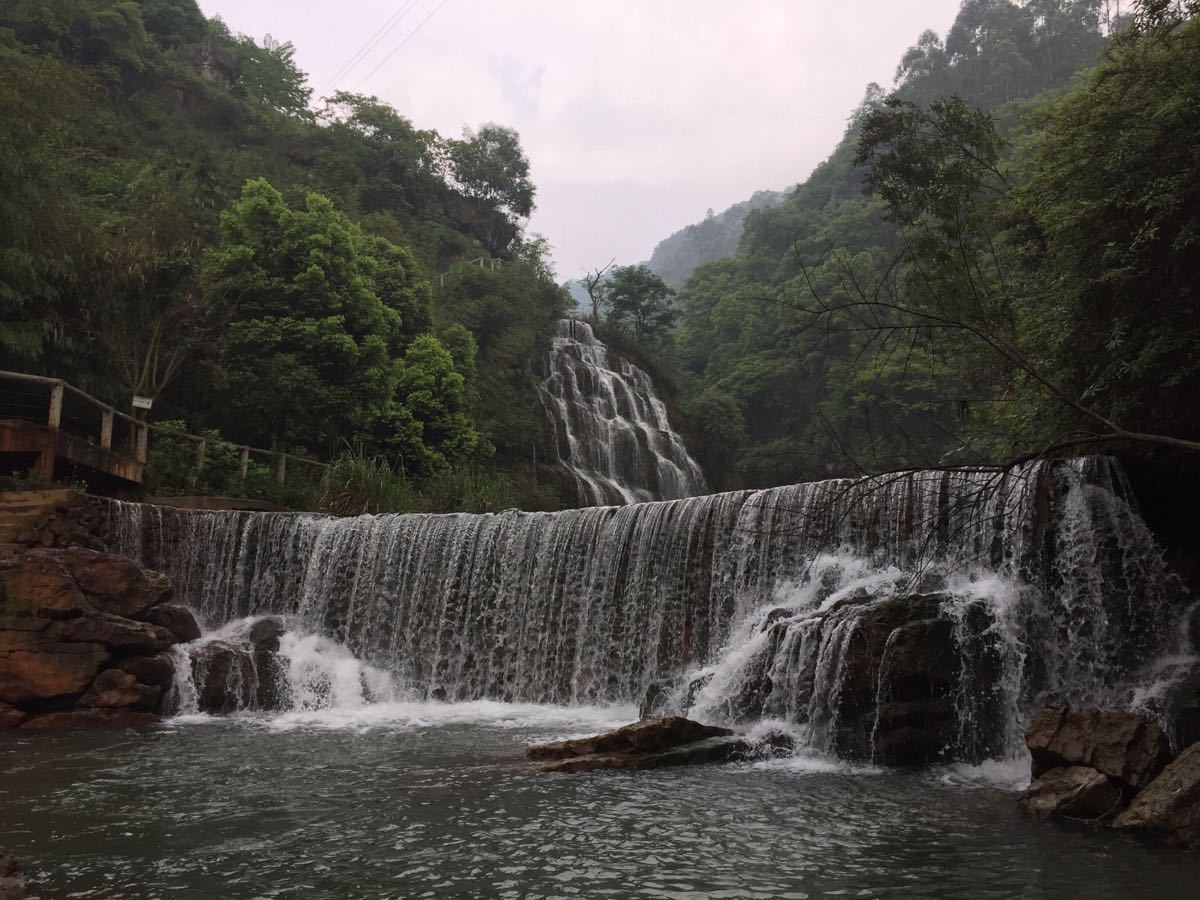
637	115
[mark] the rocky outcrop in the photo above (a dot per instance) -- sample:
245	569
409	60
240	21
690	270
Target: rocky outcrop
76	649
1124	746
1169	807
1113	767
1076	792
246	673
178	620
649	744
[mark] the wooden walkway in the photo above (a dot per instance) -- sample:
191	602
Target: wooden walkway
59	428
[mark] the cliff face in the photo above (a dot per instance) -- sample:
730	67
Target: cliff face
83	637
717	237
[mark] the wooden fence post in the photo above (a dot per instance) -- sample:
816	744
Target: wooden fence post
243	462
201	449
54	420
142	450
106	428
280	467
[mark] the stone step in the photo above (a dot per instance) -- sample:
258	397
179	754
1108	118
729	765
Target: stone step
51	498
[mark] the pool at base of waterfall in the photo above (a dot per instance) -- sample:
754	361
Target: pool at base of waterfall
430	799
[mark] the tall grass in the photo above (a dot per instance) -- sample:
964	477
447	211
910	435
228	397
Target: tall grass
357	483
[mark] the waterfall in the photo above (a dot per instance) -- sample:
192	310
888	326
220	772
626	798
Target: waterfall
610	427
960	599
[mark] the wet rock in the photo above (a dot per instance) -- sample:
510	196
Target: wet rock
650	743
272	689
115	689
114	632
1076	792
906	684
12	879
89	719
265	634
1169	807
36	669
10	716
1122	745
708	751
1182	709
225	677
155	671
654	701
178	620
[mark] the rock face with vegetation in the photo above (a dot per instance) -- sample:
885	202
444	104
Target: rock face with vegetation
78	647
1113	768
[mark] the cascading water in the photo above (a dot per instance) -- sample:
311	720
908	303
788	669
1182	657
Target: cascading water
611	431
952	603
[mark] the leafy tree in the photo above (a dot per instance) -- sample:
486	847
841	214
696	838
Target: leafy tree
305	355
639	303
434	392
490	166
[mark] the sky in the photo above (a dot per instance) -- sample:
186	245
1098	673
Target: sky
637	115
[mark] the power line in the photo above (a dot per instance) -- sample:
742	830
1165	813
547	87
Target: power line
371	43
411	34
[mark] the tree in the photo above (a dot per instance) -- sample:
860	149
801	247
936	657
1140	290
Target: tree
434	393
593	283
490	166
305	355
639	304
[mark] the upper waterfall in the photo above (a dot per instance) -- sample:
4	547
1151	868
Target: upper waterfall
611	430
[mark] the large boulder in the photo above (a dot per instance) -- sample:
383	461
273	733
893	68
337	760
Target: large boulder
115	584
905	677
1169	807
115	689
36	669
178	620
1124	746
225	677
117	633
70	655
1077	792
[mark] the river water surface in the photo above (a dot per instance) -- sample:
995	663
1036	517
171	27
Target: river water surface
412	800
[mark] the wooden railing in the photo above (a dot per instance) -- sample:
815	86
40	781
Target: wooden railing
63	407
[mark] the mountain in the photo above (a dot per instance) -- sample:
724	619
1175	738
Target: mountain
717	237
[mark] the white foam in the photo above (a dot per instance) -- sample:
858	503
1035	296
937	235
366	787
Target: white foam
1008	774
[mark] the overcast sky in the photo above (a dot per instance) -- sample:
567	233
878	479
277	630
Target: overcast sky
637	115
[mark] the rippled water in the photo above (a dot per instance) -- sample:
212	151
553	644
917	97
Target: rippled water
407	800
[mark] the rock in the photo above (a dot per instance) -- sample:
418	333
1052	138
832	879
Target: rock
654	701
10	716
1183	709
115	632
905	679
1169	807
1122	745
265	634
115	584
708	751
178	620
35	668
650	743
1074	791
12	879
89	719
272	689
225	677
39	584
155	671
119	690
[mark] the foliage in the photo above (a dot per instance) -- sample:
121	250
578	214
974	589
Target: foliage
639	303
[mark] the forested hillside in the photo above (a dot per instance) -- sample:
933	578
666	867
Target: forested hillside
181	218
993	262
718	236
